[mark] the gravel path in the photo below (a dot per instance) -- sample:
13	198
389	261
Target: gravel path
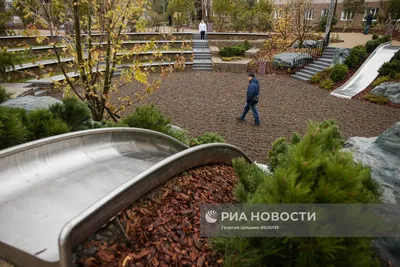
210	101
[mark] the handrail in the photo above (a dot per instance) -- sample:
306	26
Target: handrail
311	54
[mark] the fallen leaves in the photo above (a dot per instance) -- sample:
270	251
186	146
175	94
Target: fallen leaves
163	226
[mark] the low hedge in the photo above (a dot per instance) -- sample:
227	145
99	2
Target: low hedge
235	51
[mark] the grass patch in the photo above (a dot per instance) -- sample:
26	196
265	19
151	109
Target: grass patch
231	58
377	99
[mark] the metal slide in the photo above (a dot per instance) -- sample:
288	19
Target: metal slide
57	191
367	73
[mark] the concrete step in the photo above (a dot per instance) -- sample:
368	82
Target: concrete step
304	75
314	68
322	64
202	57
307	71
325	60
40	93
327	57
300	77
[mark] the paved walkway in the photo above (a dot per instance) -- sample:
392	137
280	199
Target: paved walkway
352	39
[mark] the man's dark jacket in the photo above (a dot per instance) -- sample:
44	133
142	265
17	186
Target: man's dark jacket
252	91
369	19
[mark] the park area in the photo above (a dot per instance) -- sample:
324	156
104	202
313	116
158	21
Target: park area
119	121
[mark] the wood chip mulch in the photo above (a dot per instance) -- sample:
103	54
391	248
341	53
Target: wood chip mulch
163	226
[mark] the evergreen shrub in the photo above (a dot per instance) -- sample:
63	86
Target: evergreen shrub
390	68
74	112
207	137
377	99
235	51
41	123
4	94
327	84
339	72
12	128
380	80
148	117
321	76
313	170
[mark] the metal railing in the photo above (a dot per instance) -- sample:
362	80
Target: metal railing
308	56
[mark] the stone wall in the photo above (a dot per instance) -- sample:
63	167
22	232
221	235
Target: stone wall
238	67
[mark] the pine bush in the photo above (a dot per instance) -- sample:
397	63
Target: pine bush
371	45
148	117
377	99
74	112
180	135
390	68
41	123
206	138
380	80
12	129
314	171
339	72
4	94
396	56
327	84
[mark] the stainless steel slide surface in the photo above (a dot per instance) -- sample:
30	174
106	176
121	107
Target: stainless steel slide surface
367	73
57	191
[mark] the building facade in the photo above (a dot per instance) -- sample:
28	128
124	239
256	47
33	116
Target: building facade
344	18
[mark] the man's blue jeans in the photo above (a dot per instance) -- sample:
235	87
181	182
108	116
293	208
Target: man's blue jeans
366	29
255	113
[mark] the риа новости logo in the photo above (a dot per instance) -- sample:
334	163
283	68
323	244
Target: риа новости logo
211	216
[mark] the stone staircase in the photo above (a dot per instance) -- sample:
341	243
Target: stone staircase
318	65
202	54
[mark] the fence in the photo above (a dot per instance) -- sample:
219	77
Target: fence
311	54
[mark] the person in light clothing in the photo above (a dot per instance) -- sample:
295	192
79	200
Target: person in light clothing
202	30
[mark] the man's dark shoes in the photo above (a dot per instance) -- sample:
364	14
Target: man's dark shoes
239	119
255	125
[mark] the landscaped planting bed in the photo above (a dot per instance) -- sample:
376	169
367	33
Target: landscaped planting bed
163	226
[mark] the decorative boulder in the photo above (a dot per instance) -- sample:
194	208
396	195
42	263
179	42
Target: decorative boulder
340	55
382	154
390	140
390	90
306	44
31	102
286	60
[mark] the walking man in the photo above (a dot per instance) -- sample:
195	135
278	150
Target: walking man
202	30
368	22
252	99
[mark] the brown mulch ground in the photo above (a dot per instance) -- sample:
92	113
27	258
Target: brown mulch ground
163	226
210	101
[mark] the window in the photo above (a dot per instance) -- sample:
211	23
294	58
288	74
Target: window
374	13
346	16
277	14
309	14
324	12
